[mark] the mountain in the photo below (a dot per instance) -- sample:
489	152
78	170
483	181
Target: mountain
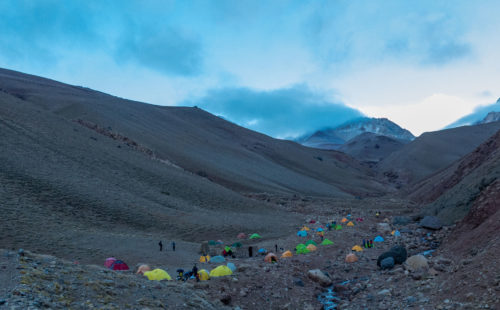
433	151
477	116
333	138
371	148
490	117
88	166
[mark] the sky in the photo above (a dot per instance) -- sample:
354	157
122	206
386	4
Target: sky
283	68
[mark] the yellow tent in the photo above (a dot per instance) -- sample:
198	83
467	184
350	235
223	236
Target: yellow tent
350	224
203	275
305	228
286	254
357	248
204	259
220	271
311	247
157	275
344	220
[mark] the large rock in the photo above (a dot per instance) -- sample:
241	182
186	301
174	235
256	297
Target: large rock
384	228
397	252
401	220
320	277
431	222
387	263
417	262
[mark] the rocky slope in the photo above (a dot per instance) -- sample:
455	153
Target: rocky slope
490	117
333	138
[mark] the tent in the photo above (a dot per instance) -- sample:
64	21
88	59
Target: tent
255	236
357	248
212	242
300	246
302	233
271	257
242	236
303	250
221	271
109	261
311	242
203	275
359	219
231	266
338	227
305	228
237	245
157	275
320	229
326	242
344	220
350	224
311	247
378	239
119	265
142	269
312	221
262	251
217	259
396	233
351	258
219	242
204	259
286	254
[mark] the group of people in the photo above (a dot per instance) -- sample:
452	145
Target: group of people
160	244
184	276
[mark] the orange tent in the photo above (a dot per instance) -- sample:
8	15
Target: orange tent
142	269
344	220
311	247
271	257
286	254
351	258
305	228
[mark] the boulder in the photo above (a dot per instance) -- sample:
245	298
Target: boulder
384	228
401	220
431	222
387	263
417	262
397	252
320	277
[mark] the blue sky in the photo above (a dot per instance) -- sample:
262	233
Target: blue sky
280	67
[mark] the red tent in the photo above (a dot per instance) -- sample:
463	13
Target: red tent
109	262
312	221
119	265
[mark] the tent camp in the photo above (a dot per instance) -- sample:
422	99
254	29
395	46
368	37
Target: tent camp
217	259
357	248
286	254
242	236
311	247
302	233
157	275
221	271
378	239
351	258
271	258
255	236
311	242
326	242
350	224
142	269
204	258
203	275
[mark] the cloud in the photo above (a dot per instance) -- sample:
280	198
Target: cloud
281	113
478	114
162	49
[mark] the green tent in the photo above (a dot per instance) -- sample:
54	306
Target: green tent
311	242
302	250
237	245
326	242
300	246
255	236
338	227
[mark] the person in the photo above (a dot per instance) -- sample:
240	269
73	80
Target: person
250	250
173	246
276	248
161	245
180	274
195	273
321	236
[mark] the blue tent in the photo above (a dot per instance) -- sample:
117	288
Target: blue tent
397	233
231	266
378	239
319	229
302	233
262	251
217	259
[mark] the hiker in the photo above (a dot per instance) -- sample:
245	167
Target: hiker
276	248
321	236
161	245
329	225
250	250
173	246
180	274
195	273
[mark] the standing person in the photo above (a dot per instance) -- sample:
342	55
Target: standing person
195	273
173	246
250	250
276	248
161	245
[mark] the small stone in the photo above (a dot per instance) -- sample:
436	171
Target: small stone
226	299
298	282
384	292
